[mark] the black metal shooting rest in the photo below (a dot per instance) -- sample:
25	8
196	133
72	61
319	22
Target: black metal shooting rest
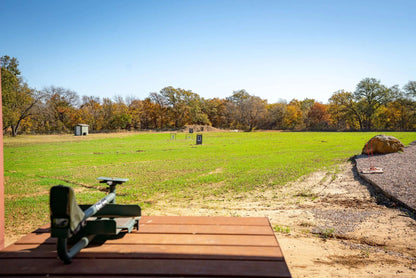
79	224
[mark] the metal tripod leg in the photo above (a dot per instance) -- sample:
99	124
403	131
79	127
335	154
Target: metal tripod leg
66	255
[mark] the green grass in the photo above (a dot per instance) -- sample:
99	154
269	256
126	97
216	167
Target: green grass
162	168
281	229
327	233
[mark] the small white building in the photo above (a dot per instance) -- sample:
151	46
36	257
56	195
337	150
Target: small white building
81	129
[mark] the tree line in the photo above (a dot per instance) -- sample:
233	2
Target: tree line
372	106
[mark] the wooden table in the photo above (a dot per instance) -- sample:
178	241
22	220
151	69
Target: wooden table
172	246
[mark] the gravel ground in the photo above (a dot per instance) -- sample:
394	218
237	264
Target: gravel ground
398	180
339	221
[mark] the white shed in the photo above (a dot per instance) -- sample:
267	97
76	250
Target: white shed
81	129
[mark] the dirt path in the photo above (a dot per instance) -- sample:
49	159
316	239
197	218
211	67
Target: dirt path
329	224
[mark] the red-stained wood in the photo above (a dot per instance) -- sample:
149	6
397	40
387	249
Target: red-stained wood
178	239
206	220
205	229
164	247
114	267
150	251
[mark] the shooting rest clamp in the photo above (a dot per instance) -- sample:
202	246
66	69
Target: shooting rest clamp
81	223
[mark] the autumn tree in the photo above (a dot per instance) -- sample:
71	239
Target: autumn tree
182	106
174	100
410	89
107	111
318	117
60	104
399	113
152	115
344	111
91	112
293	117
370	95
196	107
305	107
18	99
135	109
121	118
245	110
275	118
216	110
410	96
159	108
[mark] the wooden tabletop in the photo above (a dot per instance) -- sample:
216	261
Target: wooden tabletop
172	246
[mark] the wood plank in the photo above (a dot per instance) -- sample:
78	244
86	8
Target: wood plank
118	276
204	229
153	224
121	276
178	239
36	238
150	251
206	220
172	267
181	239
176	229
192	220
174	239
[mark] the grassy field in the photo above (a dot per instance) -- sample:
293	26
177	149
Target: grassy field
162	168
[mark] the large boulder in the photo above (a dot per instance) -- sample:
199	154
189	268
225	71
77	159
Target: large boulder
381	144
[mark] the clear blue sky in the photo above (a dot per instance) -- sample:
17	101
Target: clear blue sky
273	49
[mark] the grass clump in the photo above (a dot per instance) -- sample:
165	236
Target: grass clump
281	229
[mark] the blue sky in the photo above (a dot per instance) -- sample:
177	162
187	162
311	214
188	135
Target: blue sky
273	49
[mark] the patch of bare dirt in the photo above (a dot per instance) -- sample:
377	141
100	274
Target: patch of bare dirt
329	224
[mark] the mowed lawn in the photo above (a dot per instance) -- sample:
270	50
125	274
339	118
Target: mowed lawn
158	167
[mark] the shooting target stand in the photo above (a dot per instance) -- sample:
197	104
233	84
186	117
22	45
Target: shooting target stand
199	139
190	135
